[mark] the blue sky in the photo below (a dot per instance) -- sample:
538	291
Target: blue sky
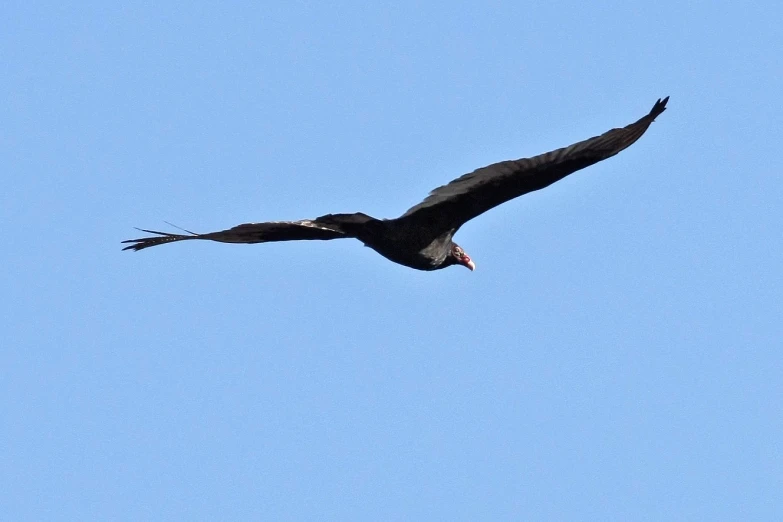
616	356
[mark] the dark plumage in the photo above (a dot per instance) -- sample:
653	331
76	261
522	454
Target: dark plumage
421	237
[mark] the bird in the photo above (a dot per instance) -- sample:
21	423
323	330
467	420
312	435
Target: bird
421	238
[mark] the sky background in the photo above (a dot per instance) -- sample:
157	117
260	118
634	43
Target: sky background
617	355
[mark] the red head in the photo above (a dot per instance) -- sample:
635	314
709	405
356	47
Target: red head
461	258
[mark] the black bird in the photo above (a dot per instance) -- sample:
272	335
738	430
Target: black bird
421	237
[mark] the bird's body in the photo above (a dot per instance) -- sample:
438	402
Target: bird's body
422	237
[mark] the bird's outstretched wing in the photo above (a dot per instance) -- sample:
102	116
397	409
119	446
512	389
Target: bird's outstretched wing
450	206
248	233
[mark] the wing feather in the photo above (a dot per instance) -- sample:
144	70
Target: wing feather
450	206
305	229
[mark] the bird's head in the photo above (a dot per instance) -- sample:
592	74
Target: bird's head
459	257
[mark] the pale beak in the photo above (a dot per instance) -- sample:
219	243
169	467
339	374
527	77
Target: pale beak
470	264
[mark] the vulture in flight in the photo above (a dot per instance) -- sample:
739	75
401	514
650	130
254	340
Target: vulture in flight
422	237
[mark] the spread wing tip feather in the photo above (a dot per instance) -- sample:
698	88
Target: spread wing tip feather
659	107
146	242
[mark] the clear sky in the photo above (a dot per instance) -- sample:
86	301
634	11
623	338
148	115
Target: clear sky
617	355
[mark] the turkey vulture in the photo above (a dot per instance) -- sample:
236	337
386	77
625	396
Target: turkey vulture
421	237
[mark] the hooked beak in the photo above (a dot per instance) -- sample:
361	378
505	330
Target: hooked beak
469	263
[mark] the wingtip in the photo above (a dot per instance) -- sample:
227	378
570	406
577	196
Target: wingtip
146	242
659	107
